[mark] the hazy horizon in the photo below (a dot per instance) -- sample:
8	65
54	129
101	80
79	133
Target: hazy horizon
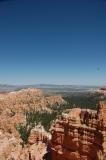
48	84
53	42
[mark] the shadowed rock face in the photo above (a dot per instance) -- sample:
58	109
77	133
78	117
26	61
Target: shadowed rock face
80	135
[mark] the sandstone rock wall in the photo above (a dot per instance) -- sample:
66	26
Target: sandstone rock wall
80	135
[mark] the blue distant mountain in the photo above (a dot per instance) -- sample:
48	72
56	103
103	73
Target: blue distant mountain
49	87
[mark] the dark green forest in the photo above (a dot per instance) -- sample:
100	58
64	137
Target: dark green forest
84	100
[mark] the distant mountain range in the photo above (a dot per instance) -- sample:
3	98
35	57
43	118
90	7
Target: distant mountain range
49	87
7	88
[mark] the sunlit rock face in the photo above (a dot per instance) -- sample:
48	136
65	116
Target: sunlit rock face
101	91
37	134
37	143
80	135
11	148
13	107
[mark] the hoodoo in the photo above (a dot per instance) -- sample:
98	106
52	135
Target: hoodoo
80	135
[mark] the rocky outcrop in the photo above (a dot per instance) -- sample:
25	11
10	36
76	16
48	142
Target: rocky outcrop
37	134
13	107
37	143
80	135
102	91
11	149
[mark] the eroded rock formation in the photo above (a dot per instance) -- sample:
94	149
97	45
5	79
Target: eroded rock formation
14	105
12	113
10	148
101	91
80	135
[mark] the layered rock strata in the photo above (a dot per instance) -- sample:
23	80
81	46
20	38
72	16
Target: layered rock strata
80	135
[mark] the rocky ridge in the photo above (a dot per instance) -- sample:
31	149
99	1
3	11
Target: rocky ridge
80	135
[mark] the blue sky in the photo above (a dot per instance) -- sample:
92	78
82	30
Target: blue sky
53	41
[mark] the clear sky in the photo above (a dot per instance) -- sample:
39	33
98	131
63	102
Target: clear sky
53	41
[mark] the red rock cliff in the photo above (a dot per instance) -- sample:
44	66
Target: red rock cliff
80	135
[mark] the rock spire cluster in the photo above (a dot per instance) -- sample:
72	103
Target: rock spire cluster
80	135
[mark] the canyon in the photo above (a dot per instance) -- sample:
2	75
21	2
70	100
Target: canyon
14	130
75	134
